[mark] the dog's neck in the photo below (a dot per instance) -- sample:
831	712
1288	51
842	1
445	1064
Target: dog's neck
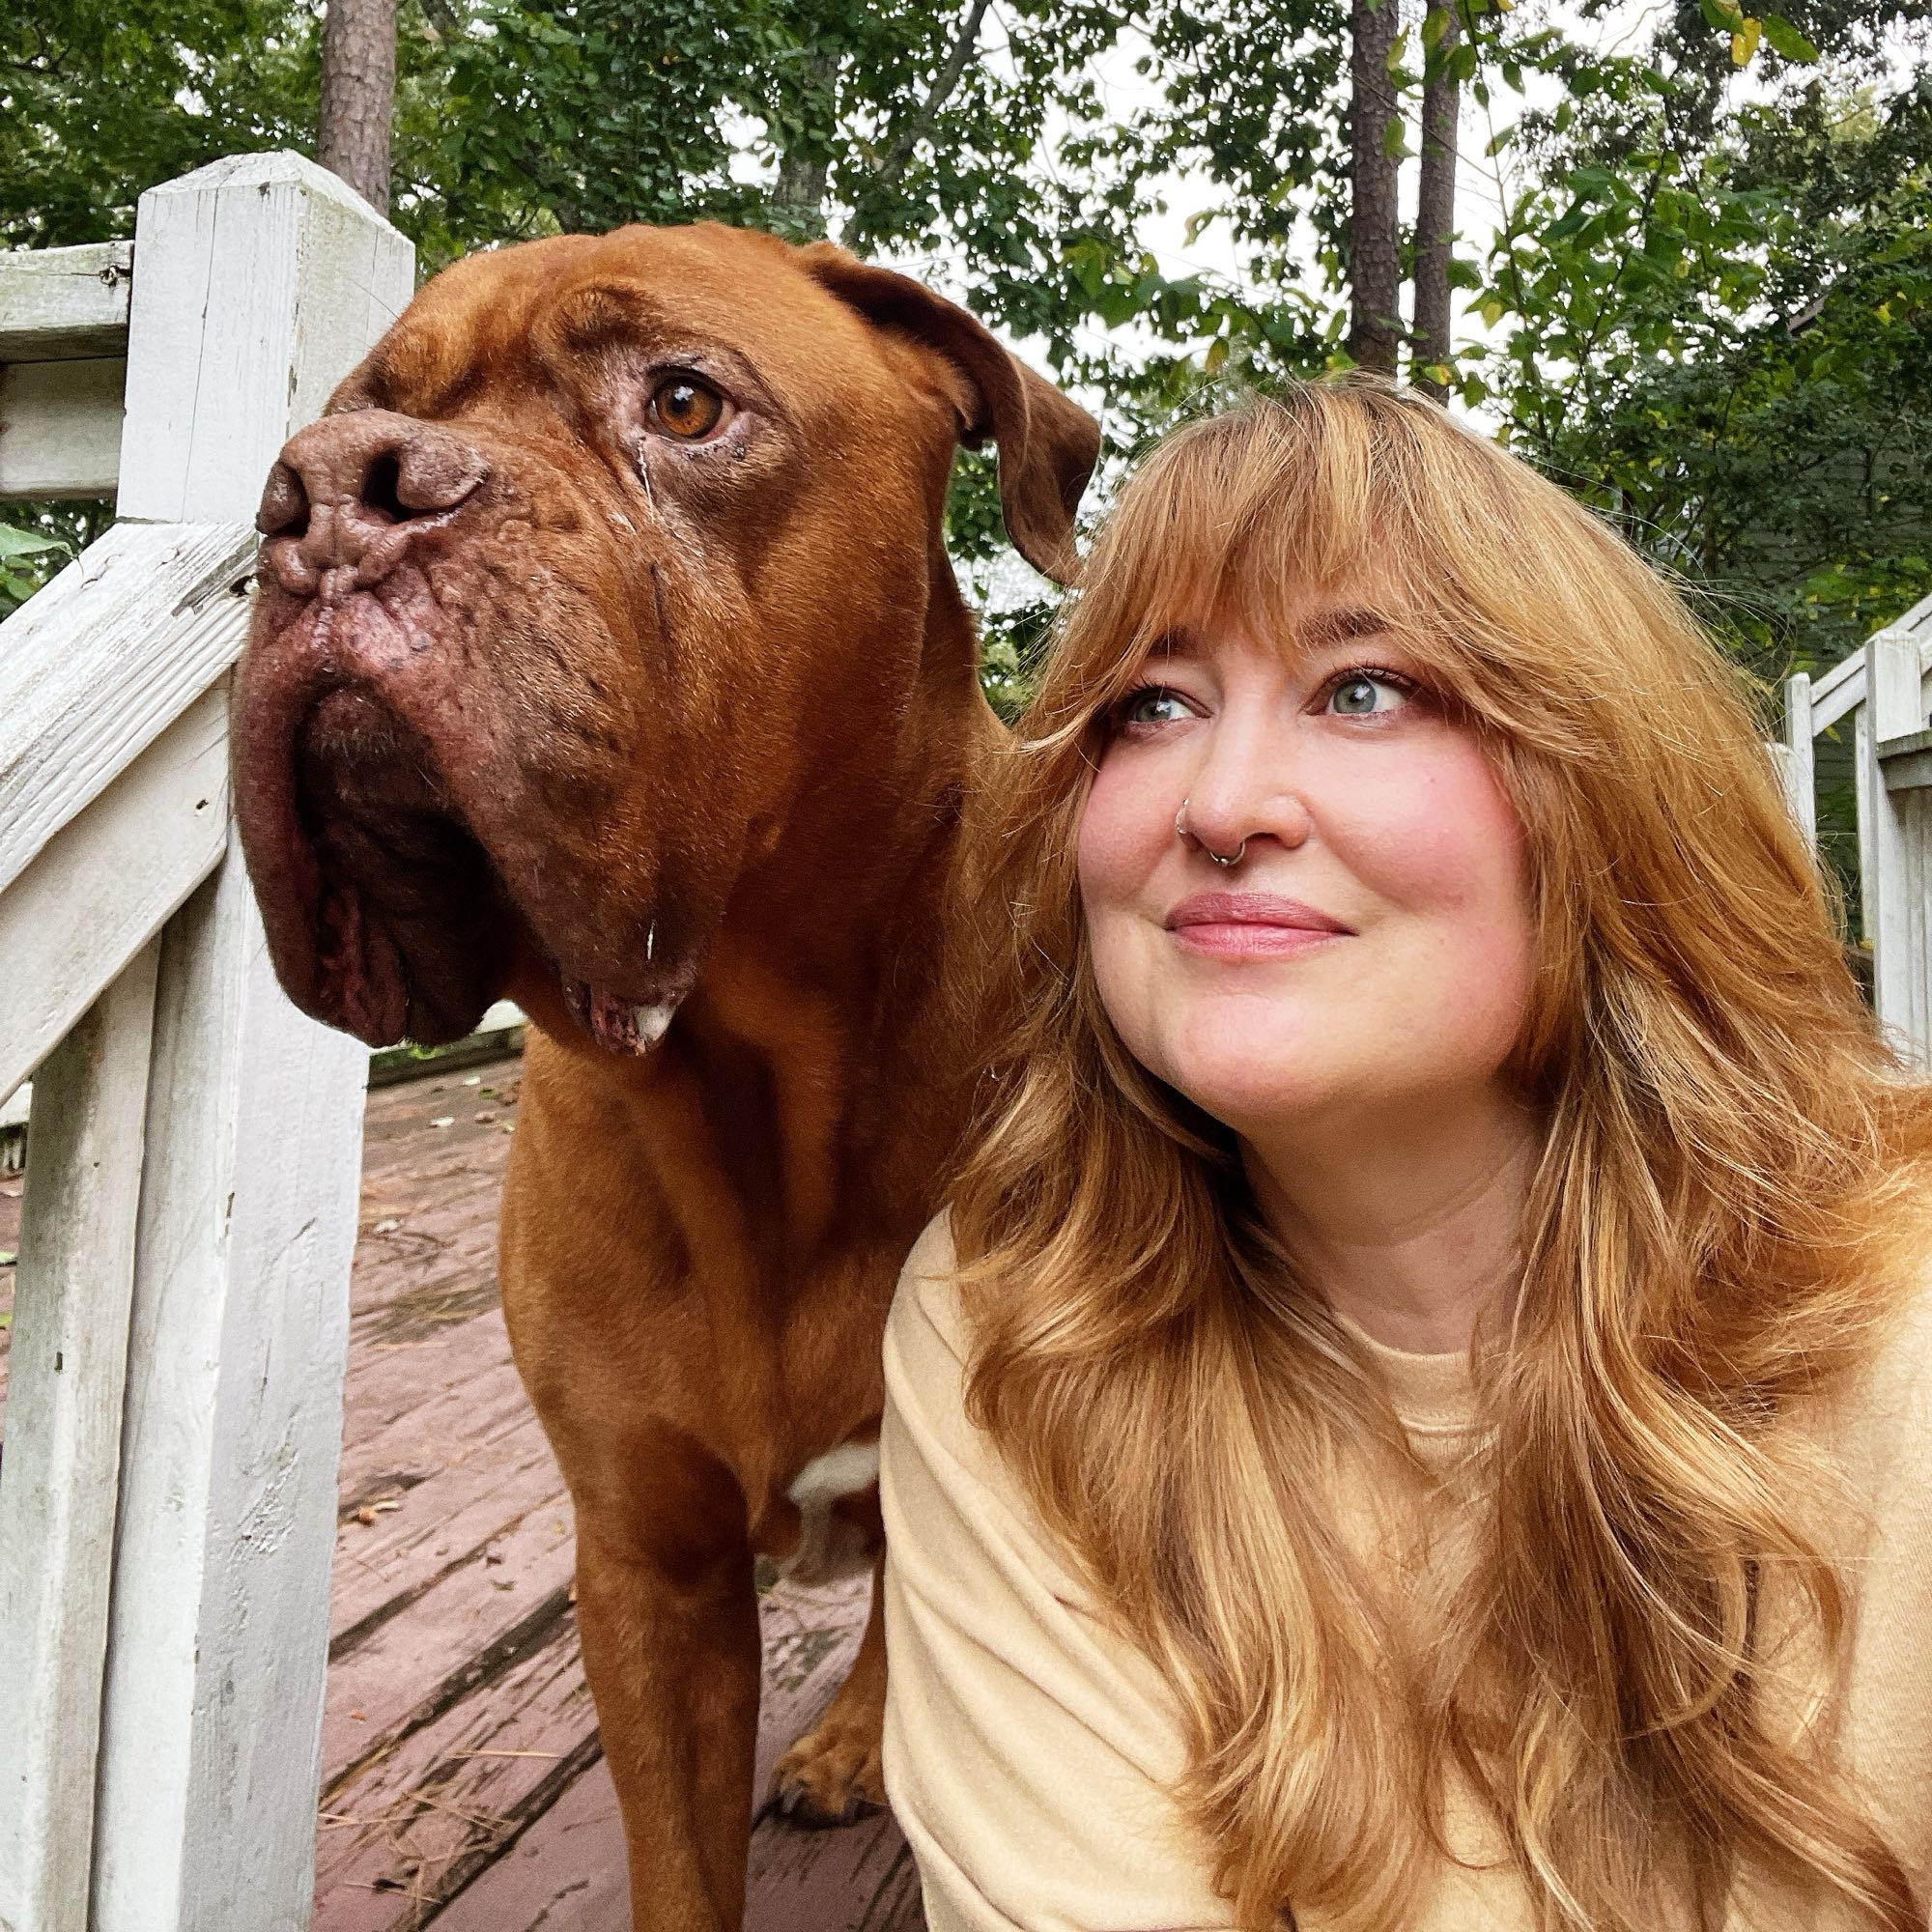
833	1021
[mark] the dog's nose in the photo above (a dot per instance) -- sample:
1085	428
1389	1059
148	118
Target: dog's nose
350	492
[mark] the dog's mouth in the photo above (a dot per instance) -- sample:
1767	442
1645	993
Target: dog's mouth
409	929
385	914
410	864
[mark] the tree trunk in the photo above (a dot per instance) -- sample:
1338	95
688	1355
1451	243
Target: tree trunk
1435	202
798	196
359	95
1375	261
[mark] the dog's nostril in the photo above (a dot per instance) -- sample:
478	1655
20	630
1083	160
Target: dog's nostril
380	488
284	511
419	478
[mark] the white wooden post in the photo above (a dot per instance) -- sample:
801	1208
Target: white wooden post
1892	835
258	283
69	1365
1798	767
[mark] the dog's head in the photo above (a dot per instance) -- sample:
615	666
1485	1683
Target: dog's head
611	571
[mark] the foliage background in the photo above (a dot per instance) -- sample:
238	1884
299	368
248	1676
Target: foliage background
1696	281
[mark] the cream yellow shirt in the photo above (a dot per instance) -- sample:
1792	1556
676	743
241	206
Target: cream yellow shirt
1029	1749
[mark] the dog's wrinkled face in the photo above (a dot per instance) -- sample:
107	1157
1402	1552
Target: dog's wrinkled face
611	561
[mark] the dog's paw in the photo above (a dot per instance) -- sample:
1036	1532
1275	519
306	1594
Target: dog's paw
831	1775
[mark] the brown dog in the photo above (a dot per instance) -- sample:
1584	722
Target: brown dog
608	655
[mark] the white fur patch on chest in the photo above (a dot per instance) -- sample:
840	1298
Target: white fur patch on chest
828	1546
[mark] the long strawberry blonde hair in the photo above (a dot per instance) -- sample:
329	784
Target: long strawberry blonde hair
1719	1225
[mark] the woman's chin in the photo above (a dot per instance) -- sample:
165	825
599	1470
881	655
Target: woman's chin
1247	1090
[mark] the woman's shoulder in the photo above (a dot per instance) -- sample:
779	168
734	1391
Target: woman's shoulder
930	1446
1896	1383
1897	1365
926	1309
1878	1417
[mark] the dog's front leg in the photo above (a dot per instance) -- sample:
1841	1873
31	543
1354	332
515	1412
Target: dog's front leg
670	1648
832	1773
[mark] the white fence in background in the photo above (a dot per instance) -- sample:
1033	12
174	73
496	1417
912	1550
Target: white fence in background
1886	689
167	1492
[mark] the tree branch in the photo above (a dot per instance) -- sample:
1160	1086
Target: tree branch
943	83
442	19
1374	253
1435	202
359	95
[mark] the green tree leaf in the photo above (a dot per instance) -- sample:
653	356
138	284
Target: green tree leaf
1788	40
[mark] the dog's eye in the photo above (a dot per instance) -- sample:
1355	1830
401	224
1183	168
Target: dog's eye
687	409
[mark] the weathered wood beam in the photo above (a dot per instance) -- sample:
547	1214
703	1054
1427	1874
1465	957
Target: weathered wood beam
97	666
262	281
1906	761
1798	765
235	347
59	304
60	427
76	1281
106	882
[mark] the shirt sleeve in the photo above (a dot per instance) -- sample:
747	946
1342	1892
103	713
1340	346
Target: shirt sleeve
1028	1748
1885	1448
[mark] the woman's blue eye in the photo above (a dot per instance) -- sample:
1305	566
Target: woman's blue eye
1360	695
1150	705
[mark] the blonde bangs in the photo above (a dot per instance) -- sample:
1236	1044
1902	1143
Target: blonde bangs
1491	578
1719	1226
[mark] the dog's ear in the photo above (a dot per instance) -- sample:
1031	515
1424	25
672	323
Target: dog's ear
1047	443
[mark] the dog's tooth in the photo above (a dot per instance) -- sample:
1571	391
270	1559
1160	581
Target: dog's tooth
652	1021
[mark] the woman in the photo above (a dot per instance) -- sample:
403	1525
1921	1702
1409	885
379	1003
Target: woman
1418	1413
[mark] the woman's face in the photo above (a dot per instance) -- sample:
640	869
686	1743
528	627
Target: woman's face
1373	949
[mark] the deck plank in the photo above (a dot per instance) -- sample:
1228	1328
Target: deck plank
403	1835
402	1528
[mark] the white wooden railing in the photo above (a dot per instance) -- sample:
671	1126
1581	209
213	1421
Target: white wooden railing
172	1426
1886	689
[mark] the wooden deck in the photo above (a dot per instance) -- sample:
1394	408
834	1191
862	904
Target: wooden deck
463	1785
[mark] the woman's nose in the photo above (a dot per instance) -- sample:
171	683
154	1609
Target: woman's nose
1245	789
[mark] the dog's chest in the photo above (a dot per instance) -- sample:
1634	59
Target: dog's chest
830	1545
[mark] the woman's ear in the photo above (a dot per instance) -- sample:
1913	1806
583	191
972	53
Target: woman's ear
1048	444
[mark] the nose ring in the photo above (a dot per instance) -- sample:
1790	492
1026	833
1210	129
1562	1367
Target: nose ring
1228	859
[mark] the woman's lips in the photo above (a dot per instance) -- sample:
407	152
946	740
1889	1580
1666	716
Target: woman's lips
1247	926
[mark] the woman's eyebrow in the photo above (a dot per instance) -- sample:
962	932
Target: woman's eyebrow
1334	626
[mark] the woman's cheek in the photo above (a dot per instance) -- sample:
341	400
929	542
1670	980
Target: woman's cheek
1119	842
1444	833
1454	857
